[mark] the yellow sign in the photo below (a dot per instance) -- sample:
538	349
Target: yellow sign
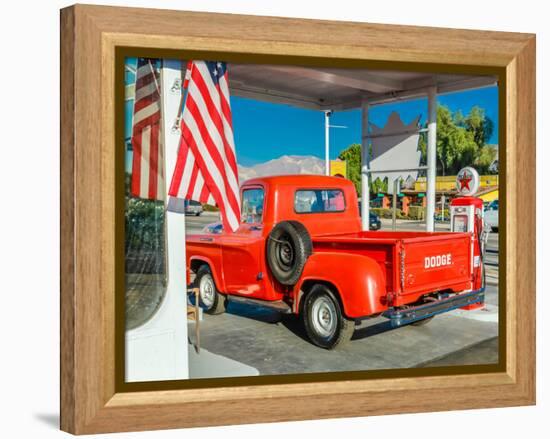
448	183
489	196
338	168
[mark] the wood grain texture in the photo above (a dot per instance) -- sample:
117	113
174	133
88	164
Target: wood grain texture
521	218
90	35
271	35
67	253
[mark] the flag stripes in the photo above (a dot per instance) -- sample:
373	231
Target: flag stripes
206	167
147	164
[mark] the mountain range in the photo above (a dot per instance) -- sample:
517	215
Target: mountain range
284	165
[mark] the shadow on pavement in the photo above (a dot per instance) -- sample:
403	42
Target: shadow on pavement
484	352
254	312
369	331
293	323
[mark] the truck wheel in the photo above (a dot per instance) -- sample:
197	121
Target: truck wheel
212	301
288	247
324	321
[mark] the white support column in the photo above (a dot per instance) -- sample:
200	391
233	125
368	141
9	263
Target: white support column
327	141
365	201
175	222
431	152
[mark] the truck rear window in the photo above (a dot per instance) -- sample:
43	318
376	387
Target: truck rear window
319	201
252	206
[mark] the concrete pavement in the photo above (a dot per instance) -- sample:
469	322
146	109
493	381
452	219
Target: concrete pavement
487	349
276	344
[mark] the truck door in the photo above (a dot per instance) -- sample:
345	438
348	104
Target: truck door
242	250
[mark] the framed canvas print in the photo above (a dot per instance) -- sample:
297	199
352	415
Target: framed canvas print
292	219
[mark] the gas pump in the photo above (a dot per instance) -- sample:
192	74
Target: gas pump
467	217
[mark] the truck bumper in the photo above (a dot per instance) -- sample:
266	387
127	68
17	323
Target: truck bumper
400	317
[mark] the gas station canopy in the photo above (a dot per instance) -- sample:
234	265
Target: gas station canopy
332	89
341	89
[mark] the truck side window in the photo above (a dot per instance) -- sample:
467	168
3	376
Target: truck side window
319	201
252	206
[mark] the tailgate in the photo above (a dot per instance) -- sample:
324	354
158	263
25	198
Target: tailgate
435	263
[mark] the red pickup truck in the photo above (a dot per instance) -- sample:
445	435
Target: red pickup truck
300	249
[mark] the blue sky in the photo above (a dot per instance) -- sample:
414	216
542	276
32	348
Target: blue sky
264	131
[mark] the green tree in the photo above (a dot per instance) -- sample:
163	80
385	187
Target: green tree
485	158
352	156
461	141
455	145
479	124
379	185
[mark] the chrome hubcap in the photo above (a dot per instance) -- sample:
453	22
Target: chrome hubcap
207	290
323	315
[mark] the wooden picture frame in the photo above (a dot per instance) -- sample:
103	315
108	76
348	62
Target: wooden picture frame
91	400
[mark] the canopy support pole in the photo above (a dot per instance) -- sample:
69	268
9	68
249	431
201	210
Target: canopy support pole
431	152
365	165
328	113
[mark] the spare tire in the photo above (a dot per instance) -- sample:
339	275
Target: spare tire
288	247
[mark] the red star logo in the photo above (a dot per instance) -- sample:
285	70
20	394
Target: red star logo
464	180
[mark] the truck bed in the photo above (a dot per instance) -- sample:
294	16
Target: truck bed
413	262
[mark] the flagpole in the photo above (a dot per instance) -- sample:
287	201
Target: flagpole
183	88
164	191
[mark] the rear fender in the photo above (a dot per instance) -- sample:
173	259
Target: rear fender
358	279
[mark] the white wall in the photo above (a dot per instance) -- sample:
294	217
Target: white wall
29	323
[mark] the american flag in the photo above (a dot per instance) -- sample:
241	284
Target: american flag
148	162
206	167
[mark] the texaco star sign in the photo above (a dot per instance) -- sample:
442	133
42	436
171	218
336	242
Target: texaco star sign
467	181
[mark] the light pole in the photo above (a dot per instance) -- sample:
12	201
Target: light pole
328	113
431	153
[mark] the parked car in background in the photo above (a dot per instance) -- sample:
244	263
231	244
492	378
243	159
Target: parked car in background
193	207
374	221
491	215
215	228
